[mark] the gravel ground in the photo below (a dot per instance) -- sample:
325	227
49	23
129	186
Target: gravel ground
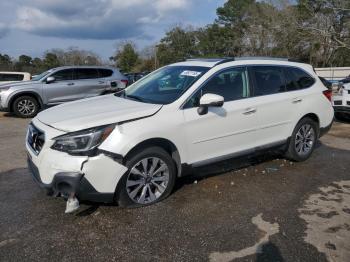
252	209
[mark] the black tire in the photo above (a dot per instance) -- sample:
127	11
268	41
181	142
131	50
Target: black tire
292	151
122	196
22	101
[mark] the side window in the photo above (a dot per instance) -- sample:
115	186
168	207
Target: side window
11	77
268	80
298	79
63	75
231	84
85	73
105	72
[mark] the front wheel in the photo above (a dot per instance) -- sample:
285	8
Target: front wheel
150	178
303	140
25	106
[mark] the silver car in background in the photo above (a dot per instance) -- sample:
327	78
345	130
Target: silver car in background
57	86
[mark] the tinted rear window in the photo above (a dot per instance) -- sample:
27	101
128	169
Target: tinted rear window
11	77
268	80
105	72
297	79
85	73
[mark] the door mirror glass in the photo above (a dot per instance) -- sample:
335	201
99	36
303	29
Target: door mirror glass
209	100
50	79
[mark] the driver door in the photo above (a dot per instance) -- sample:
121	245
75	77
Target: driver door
223	131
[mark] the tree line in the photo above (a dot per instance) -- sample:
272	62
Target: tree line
311	31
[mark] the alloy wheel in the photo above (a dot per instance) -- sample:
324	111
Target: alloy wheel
304	139
26	107
147	180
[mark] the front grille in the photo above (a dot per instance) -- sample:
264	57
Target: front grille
35	139
338	103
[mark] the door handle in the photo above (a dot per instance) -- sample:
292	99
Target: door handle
297	100
249	111
101	82
70	84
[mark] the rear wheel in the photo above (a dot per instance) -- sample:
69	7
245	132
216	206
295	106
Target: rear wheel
25	106
303	140
150	178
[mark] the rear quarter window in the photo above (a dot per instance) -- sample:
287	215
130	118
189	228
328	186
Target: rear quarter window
297	79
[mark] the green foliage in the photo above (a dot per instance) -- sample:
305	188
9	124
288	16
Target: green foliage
126	57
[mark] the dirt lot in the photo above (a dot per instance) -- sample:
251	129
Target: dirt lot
256	209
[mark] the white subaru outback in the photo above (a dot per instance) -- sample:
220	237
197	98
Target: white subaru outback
130	147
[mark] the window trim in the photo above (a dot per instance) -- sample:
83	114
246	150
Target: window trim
182	107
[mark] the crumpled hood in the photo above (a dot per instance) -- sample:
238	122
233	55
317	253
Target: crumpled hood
97	111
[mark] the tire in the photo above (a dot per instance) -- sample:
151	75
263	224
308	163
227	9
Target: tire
137	189
25	106
301	146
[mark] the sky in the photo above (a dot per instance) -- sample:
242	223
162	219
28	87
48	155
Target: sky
33	26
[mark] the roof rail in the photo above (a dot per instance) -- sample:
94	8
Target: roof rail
223	60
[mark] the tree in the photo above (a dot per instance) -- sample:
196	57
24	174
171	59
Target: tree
5	62
51	60
126	57
326	26
177	45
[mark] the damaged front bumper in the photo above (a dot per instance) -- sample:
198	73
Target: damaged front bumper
89	178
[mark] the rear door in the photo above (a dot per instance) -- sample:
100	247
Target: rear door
274	105
88	82
63	89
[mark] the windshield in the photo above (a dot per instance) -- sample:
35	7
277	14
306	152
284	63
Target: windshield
42	75
165	85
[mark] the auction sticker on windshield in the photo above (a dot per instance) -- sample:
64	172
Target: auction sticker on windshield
190	73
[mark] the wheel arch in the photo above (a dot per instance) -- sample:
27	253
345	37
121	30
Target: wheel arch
315	118
163	143
25	93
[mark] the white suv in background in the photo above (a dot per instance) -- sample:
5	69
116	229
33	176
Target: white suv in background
131	146
11	77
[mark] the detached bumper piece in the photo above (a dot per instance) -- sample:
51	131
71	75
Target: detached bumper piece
66	183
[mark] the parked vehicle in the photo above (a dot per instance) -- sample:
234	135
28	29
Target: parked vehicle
341	101
132	146
10	77
57	86
133	77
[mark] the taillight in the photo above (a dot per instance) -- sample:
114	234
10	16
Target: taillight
126	82
328	94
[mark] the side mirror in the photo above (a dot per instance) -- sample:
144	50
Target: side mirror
50	79
209	100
